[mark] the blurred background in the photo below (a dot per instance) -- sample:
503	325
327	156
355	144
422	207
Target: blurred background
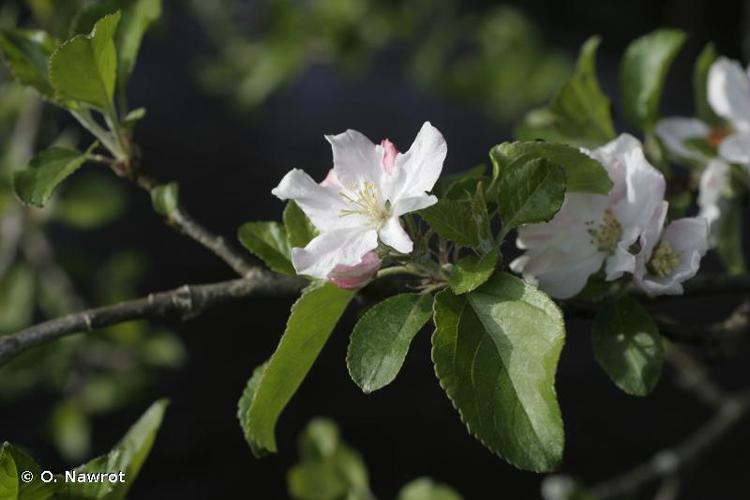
237	92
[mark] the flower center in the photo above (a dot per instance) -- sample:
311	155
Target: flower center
366	202
606	236
664	260
718	134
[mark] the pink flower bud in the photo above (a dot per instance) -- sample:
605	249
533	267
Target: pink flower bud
389	156
353	277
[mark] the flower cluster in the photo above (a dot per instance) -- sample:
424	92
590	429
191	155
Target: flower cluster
622	232
358	205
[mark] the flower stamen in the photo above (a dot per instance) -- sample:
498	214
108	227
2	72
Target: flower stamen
606	236
366	202
664	260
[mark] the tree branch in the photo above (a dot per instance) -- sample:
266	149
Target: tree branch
187	301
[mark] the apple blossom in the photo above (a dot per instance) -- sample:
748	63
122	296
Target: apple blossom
353	277
729	96
592	230
712	195
675	132
361	200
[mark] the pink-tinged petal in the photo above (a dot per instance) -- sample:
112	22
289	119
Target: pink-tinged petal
561	275
644	193
393	235
736	148
356	159
388	163
331	181
408	205
357	276
322	205
344	247
713	194
418	169
673	132
612	156
729	92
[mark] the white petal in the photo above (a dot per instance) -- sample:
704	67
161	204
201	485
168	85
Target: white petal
729	92
321	204
418	169
559	274
712	192
393	235
355	159
407	205
673	132
644	192
736	148
344	247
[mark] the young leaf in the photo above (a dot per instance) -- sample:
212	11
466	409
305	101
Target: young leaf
165	198
627	346
643	72
128	456
27	54
472	271
729	241
382	336
464	221
243	407
579	113
17	290
13	463
34	185
424	488
311	322
703	109
268	241
583	174
84	68
529	191
299	230
454	185
495	352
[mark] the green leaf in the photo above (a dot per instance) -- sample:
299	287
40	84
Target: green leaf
583	174
464	222
382	336
627	346
35	184
70	430
495	352
268	241
16	298
424	488
243	407
729	241
9	483
13	462
133	117
472	271
579	113
137	16
90	202
27	54
643	71
457	185
165	198
311	322
84	68
128	456
703	109
328	469
299	229
530	191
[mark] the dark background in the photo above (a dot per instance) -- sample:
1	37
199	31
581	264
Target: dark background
227	162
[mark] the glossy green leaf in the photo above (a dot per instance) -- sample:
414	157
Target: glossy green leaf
703	109
472	271
424	488
643	72
27	54
627	346
84	68
14	462
268	241
495	352
328	469
464	222
530	191
90	201
35	184
243	407
583	174
299	229
310	323
729	240
382	336
579	113
9	480
165	198
455	185
128	456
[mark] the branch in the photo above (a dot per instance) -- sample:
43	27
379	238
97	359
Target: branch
187	302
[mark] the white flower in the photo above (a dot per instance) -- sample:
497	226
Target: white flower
713	193
669	256
729	96
591	229
361	200
676	131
